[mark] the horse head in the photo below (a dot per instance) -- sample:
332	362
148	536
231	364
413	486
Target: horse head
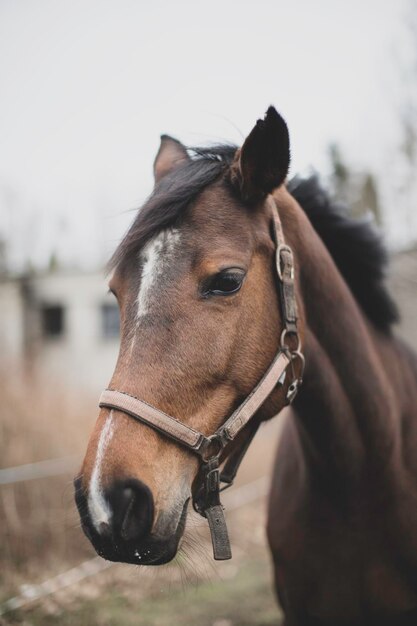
196	284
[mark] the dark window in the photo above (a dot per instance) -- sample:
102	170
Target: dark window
110	320
52	320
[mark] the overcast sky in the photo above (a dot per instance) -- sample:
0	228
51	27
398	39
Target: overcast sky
87	87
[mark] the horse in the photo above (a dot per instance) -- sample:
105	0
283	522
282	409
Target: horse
202	319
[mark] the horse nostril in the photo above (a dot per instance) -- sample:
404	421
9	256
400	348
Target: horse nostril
131	525
132	506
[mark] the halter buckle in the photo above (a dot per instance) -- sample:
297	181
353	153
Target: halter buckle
213	480
208	494
213	446
282	262
285	347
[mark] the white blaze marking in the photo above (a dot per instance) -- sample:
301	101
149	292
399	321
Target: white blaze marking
156	255
99	508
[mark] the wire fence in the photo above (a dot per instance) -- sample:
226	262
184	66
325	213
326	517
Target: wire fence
40	469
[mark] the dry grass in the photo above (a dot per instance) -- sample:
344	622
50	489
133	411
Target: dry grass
40	527
41	419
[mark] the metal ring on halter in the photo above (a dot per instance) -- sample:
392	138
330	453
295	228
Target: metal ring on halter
285	347
206	451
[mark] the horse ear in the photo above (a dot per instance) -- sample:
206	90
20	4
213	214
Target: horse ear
262	163
170	154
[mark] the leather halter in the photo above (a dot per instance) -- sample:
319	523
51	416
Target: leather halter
206	500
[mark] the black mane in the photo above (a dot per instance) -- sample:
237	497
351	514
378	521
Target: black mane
355	246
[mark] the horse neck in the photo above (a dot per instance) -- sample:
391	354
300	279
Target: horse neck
347	405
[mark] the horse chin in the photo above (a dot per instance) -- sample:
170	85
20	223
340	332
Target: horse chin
149	553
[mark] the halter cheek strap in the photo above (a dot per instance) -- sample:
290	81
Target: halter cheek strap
206	499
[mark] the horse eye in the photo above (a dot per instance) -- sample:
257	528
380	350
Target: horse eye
224	283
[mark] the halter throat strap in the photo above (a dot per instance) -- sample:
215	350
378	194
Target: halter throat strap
206	500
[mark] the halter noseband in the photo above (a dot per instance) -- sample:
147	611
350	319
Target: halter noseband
206	500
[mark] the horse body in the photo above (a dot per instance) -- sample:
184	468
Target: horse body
195	279
343	504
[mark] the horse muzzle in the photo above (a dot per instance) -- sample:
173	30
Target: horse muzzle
125	535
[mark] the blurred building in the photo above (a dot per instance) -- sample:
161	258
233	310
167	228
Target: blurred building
63	326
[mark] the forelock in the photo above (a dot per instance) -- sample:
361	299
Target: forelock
172	196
